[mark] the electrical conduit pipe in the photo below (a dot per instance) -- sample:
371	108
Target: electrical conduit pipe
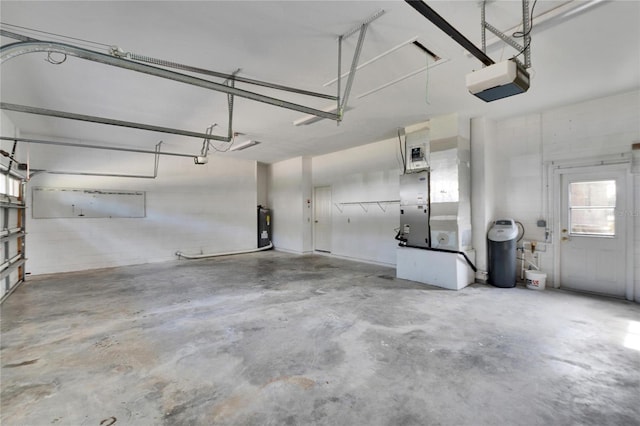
204	256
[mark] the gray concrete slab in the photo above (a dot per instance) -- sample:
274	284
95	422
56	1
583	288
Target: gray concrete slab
277	339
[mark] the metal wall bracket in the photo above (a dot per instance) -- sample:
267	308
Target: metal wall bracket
526	33
364	204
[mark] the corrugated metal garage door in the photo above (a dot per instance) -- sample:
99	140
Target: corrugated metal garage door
12	232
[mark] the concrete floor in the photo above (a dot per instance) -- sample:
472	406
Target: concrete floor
276	339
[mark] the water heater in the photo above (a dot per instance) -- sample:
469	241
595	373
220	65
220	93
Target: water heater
264	226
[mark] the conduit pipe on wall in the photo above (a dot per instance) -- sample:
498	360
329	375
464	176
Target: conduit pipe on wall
204	256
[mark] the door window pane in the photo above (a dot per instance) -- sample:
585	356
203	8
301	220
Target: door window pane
592	208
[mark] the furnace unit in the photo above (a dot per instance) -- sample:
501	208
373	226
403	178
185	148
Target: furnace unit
414	208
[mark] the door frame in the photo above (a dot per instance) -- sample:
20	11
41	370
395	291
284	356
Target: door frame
315	202
595	167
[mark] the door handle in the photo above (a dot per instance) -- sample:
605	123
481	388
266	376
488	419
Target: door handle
315	221
565	238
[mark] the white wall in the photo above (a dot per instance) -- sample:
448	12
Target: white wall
524	147
263	184
194	209
288	191
7	127
366	173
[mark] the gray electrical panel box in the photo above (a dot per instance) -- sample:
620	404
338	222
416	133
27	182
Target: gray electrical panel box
417	151
414	208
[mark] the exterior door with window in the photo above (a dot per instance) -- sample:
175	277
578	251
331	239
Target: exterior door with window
592	233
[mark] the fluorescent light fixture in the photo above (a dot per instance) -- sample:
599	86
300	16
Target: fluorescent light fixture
244	145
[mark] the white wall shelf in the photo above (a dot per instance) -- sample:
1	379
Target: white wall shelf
364	204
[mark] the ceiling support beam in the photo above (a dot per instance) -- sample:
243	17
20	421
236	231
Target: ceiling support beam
108	121
16	49
422	8
352	72
156	163
169	64
84	145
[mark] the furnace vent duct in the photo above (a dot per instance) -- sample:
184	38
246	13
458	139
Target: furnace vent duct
450	195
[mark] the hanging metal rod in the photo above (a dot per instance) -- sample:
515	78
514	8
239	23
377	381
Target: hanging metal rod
525	33
108	148
354	65
189	68
169	64
108	121
16	49
54	172
16	36
156	163
448	29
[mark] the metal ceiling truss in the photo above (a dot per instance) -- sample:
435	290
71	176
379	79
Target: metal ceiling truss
132	61
109	148
526	33
109	121
29	45
156	163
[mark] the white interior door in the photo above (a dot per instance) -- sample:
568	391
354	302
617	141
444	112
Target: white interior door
593	234
322	218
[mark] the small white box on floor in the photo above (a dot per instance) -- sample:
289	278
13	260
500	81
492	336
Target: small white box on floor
440	269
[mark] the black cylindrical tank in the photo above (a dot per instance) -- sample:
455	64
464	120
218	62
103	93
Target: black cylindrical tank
502	253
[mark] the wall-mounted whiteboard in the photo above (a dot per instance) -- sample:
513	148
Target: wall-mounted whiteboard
49	203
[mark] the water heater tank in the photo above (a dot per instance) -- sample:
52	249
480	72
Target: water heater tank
264	226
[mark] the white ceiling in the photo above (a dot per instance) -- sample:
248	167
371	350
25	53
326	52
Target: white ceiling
590	53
